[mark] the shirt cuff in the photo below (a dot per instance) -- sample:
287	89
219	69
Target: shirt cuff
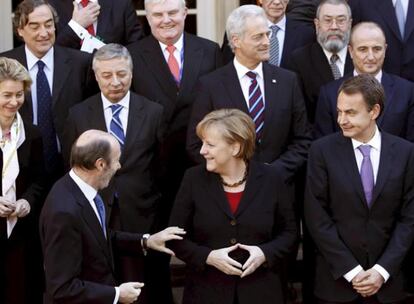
350	275
382	272
78	29
116	295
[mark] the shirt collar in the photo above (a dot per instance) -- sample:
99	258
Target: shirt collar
377	77
242	70
124	102
32	59
374	142
86	189
341	54
178	45
281	24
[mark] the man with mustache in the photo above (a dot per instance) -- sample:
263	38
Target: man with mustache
328	59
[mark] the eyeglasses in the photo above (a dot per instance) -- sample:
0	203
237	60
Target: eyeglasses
339	21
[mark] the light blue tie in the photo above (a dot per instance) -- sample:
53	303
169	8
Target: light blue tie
274	46
399	12
115	126
101	211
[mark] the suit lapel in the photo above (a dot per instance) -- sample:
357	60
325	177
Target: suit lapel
290	37
193	54
387	156
154	57
388	84
348	162
321	64
62	69
215	189
104	17
232	84
387	10
96	114
409	23
27	106
272	95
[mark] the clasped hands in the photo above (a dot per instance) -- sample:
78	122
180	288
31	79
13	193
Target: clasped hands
19	208
367	282
220	259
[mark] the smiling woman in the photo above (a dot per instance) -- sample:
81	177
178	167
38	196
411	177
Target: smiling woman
21	160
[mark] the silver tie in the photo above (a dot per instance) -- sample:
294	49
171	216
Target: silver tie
274	46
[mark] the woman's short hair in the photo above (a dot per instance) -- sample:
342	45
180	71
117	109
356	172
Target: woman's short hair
235	127
11	69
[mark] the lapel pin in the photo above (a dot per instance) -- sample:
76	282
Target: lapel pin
273	80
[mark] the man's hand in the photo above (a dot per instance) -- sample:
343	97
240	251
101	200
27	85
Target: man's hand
86	15
256	259
220	259
368	283
129	292
157	241
22	208
6	207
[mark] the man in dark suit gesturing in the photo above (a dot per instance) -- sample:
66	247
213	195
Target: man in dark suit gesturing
136	123
77	245
282	128
359	204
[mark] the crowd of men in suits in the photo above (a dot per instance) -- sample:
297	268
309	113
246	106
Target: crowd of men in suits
346	83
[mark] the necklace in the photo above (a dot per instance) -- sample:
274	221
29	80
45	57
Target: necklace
238	183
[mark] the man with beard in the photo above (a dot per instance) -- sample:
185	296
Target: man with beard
328	59
367	48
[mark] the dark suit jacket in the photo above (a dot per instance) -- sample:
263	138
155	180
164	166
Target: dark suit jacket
286	136
302	10
72	83
312	67
117	23
134	181
399	58
397	117
264	218
21	261
78	259
297	35
345	230
152	79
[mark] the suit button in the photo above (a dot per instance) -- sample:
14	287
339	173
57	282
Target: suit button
233	241
233	222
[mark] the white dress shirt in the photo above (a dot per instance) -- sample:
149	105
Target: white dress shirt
90	194
80	31
33	69
245	80
280	34
378	76
341	61
375	143
123	114
178	53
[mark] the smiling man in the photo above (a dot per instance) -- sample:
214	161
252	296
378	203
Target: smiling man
359	202
368	48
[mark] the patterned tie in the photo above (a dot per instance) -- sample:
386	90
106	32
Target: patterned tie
274	46
399	12
335	70
45	118
101	211
173	64
367	173
256	104
90	28
115	126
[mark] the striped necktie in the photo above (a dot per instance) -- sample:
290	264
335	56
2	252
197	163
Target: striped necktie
115	126
274	46
256	104
101	211
335	70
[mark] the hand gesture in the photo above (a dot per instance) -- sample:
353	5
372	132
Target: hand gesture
86	15
157	240
6	207
22	208
220	259
367	283
129	292
256	259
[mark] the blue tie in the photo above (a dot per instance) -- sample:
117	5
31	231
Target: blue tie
116	125
256	104
399	12
101	211
274	46
45	118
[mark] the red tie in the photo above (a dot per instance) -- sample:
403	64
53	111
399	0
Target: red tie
90	28
173	64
